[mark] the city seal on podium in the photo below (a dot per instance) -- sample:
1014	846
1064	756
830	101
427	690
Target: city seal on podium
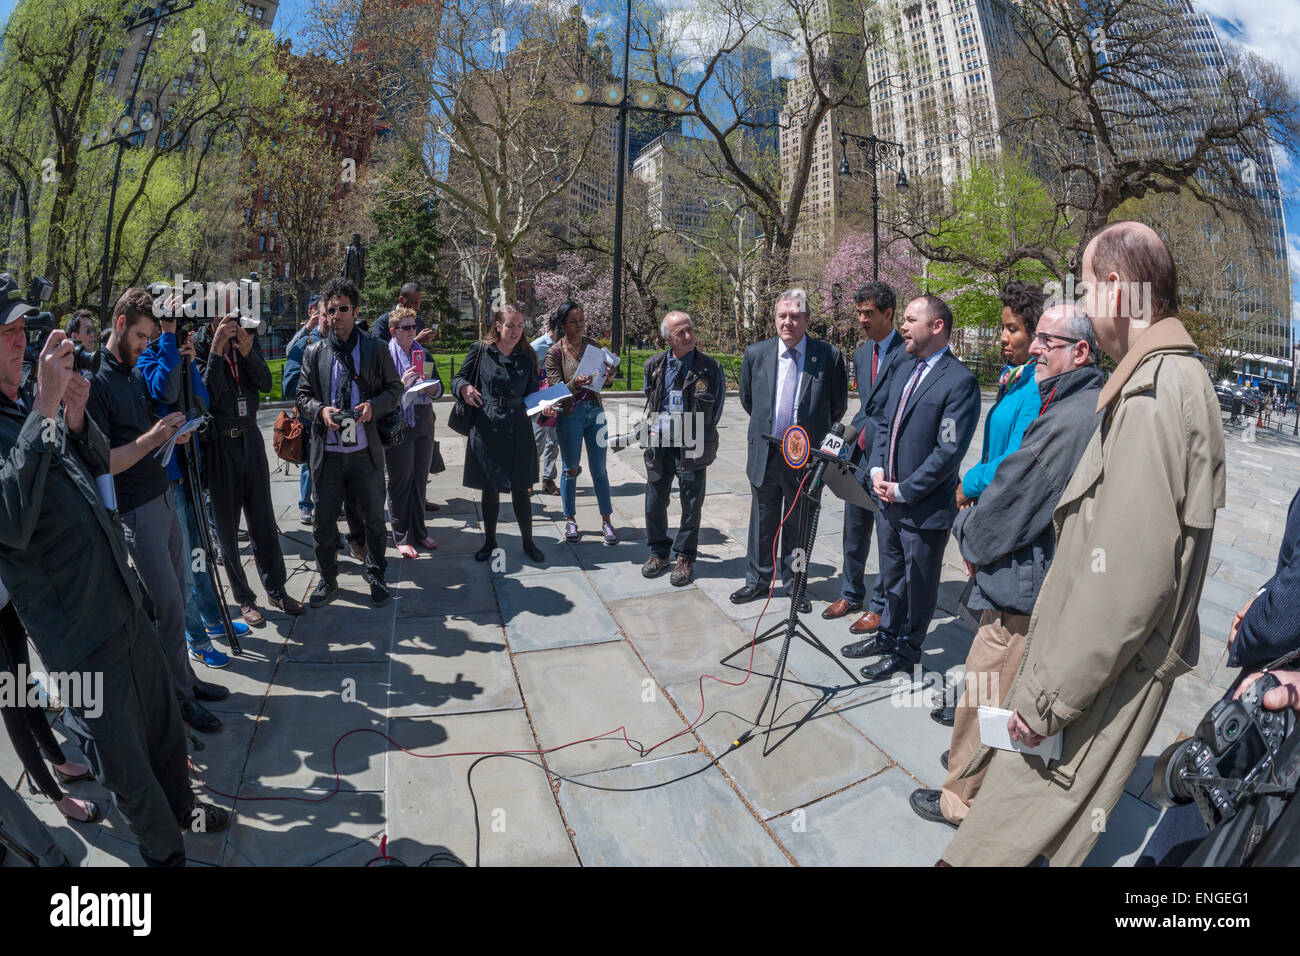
794	446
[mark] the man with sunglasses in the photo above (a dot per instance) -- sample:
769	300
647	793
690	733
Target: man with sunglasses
348	383
1007	541
234	462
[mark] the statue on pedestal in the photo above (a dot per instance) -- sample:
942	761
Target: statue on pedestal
354	262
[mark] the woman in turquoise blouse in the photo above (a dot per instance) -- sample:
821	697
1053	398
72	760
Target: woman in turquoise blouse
1018	398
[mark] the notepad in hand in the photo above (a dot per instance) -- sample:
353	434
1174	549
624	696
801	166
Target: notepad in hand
994	733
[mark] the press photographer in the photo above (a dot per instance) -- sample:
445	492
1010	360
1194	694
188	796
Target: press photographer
238	475
64	560
348	384
119	404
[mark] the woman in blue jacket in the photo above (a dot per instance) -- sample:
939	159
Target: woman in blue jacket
1018	400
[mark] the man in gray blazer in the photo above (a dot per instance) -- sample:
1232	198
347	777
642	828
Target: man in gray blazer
873	365
791	379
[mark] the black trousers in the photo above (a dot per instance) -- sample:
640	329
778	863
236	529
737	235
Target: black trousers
28	728
408	477
349	476
239	478
910	563
659	492
134	740
768	503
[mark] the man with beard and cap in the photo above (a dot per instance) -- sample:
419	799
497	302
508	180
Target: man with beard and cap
120	405
1007	541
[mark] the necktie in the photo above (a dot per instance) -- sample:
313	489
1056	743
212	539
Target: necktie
875	361
898	416
784	417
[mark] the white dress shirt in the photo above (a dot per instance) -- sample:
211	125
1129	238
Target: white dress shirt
785	367
925	371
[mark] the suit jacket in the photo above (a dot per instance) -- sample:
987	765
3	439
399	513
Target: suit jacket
820	402
379	385
937	427
1271	627
873	398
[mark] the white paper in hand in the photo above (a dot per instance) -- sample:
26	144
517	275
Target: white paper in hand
994	733
540	402
165	452
409	395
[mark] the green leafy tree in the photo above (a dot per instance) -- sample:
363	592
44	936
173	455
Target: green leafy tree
406	248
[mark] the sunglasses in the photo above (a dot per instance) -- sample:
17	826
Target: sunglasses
338	308
406	328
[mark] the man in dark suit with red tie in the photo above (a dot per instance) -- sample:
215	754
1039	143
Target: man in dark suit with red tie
933	409
873	365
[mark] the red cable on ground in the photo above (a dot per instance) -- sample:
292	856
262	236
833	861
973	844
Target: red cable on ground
641	751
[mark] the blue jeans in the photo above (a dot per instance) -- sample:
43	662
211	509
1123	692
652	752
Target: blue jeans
585	423
304	488
201	611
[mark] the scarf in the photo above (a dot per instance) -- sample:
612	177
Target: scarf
343	353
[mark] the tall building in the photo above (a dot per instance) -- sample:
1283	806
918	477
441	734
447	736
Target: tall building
678	196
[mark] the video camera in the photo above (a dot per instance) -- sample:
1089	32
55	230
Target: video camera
1231	755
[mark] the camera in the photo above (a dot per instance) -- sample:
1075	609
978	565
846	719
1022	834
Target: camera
39	292
1231	754
86	361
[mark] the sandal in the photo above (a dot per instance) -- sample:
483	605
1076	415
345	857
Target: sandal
406	550
91	808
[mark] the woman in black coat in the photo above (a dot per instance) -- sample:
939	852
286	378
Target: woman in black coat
501	454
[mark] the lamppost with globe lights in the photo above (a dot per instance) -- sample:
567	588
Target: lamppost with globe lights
125	131
646	100
874	150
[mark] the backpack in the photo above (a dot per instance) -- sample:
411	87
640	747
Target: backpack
288	439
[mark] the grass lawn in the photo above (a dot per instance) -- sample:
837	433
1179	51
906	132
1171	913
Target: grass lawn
449	362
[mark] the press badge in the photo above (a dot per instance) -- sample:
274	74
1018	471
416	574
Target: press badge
241	407
675	404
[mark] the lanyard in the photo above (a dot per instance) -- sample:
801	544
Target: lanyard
234	368
1050	396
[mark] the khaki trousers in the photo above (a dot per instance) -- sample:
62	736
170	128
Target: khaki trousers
991	666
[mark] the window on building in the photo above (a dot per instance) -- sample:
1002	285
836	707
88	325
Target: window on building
261	243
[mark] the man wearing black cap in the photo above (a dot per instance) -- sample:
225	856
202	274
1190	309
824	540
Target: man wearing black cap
64	560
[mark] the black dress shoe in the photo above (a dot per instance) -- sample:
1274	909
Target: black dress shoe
894	663
750	592
873	645
204	818
943	759
199	717
926	805
946	715
805	606
209	692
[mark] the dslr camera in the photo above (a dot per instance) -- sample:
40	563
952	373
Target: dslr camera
1231	756
346	419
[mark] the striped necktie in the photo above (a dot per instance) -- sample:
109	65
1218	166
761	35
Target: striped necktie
898	415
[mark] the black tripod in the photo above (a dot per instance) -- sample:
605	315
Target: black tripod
810	505
196	493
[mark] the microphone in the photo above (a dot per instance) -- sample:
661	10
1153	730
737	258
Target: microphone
840	437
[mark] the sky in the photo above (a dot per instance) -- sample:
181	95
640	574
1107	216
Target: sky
1268	27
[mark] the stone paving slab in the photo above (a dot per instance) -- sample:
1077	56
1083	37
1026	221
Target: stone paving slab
519	823
443	584
294	832
825	754
693	822
450	664
553	610
868	824
578	692
680	639
305	715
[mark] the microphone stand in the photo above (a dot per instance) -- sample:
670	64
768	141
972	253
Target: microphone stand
810	511
197	494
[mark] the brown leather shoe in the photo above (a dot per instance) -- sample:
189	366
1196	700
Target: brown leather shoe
683	572
358	550
866	624
839	609
284	603
251	615
549	487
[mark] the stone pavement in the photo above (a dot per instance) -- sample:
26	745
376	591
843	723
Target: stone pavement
353	722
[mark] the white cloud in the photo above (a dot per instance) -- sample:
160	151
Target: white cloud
1269	27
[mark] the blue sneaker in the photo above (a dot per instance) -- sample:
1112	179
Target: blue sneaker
209	655
216	630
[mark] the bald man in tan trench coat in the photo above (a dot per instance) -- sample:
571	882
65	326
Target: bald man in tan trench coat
1116	620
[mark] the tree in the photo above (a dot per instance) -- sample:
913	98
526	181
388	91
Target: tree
589	283
850	268
477	93
407	248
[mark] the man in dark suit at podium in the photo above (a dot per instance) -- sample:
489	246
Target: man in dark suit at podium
792	379
873	364
934	405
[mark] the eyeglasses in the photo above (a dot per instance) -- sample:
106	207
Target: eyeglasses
1042	339
338	308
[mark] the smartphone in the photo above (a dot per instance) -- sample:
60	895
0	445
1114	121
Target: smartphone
417	362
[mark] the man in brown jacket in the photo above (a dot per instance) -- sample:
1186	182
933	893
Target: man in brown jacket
1115	622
